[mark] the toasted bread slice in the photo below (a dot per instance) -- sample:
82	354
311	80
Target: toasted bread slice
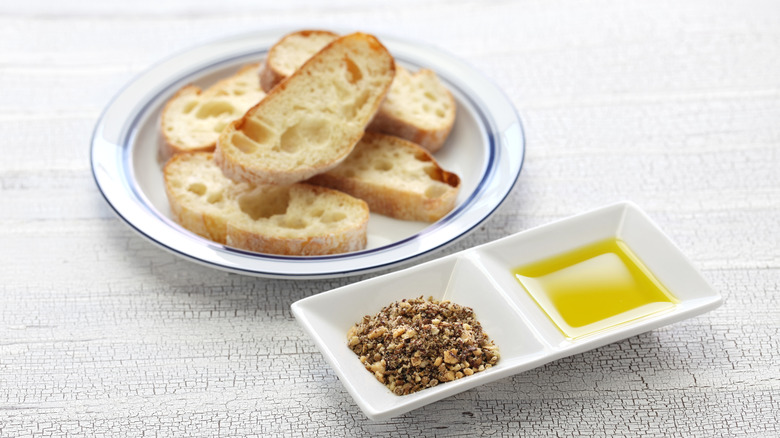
201	198
418	107
310	122
397	178
192	119
291	52
298	219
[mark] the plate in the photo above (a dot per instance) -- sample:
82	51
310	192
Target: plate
486	149
482	278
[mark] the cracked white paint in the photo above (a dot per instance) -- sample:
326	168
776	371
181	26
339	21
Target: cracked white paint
673	105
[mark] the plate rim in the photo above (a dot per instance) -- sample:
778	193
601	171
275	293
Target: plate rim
497	144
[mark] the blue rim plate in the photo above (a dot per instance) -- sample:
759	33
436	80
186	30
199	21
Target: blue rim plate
486	149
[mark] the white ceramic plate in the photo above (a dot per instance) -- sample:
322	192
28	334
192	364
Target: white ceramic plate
481	278
485	149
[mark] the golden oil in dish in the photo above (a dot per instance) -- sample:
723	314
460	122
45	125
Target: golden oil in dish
594	288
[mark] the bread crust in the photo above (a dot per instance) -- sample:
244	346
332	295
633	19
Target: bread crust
388	197
256	169
430	139
335	241
206	203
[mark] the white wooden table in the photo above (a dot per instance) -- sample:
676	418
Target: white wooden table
673	105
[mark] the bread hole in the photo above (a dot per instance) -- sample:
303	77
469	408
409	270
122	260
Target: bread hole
264	203
238	92
353	71
332	217
341	91
435	190
383	165
434	173
361	100
189	106
451	179
220	126
222	93
420	155
430	96
243	143
349	173
294	223
257	130
290	142
214	109
213	198
352	110
197	188
440	113
438	174
318	212
312	132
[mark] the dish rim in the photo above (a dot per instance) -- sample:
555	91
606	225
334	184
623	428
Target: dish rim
547	342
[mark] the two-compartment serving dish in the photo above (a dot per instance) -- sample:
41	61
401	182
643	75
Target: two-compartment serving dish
482	278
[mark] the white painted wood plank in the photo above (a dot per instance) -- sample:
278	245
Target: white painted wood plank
672	105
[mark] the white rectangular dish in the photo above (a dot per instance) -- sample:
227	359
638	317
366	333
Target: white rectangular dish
482	278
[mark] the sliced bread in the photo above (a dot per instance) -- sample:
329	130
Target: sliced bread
298	219
312	120
418	107
396	177
193	118
291	52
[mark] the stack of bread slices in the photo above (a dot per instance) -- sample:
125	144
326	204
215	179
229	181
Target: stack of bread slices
292	156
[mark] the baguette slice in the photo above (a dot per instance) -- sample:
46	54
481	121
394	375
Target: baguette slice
397	178
192	119
311	121
291	52
418	106
298	219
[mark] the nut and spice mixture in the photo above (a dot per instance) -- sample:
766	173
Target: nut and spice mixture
416	344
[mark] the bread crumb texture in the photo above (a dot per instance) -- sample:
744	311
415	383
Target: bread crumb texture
297	219
397	178
311	121
418	107
193	119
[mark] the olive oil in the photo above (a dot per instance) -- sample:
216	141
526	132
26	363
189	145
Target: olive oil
594	288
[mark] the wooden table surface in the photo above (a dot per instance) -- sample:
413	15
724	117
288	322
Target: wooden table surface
672	105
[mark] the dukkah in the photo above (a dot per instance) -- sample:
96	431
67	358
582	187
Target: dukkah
415	344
